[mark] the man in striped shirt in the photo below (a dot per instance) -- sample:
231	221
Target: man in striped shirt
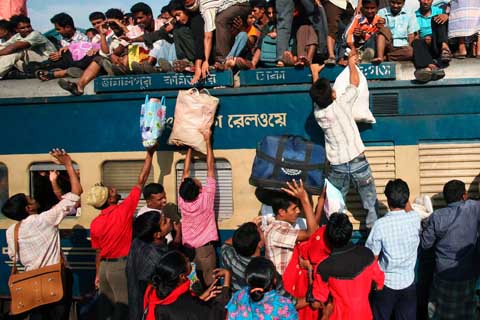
343	144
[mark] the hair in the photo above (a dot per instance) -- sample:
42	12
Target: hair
397	193
7	25
15	207
453	191
339	230
96	15
146	225
152	188
114	13
63	19
167	273
141	7
188	190
364	2
262	4
260	275
15	20
92	30
271	3
283	202
245	239
175	5
165	9
321	93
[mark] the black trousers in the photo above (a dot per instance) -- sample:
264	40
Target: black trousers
400	303
67	61
423	54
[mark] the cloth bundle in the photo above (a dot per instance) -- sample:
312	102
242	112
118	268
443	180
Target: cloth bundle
361	107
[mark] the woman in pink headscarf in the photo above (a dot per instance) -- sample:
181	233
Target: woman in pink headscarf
9	8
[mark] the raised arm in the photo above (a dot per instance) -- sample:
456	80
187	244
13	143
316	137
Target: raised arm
53	176
352	65
319	209
186	165
315	68
298	191
210	157
62	157
147	166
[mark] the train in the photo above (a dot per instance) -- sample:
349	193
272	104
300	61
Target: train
425	134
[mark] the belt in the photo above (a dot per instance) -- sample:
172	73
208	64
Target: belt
210	243
113	259
360	157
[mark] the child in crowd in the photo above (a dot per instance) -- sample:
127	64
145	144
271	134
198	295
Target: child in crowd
432	42
361	34
260	300
196	201
169	295
395	41
6	30
91	33
347	274
343	144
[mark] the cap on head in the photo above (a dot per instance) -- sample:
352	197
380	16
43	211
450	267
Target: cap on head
97	196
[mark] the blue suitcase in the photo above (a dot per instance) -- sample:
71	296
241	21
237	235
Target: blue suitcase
282	158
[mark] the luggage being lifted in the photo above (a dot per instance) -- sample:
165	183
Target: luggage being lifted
282	158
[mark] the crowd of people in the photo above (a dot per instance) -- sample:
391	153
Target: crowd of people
197	36
151	265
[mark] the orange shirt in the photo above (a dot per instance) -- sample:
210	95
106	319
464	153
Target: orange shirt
360	21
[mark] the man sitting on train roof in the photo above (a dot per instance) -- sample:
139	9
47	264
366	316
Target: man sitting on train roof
431	42
343	144
6	31
111	235
25	46
395	40
280	235
39	237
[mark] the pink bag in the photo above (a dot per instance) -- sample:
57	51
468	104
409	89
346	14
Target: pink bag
194	113
79	49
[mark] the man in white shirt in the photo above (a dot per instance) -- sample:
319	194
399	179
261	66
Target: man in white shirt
39	237
343	144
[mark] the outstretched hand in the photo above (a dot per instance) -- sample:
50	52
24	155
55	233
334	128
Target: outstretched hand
296	189
61	156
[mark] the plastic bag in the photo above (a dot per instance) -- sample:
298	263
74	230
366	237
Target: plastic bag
334	201
152	120
194	113
361	106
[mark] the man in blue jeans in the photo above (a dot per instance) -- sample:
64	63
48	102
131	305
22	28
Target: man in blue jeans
343	144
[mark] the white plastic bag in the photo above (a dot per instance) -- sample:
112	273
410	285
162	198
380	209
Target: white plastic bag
361	106
194	113
334	201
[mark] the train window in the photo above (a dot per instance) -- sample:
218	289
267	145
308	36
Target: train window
224	196
3	185
42	189
123	175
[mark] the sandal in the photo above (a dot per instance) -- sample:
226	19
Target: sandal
181	65
302	62
445	56
459	56
243	64
70	87
44	75
287	59
331	61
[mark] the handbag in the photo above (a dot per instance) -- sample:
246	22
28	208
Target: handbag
152	120
31	289
283	158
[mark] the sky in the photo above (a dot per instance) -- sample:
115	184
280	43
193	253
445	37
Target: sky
40	11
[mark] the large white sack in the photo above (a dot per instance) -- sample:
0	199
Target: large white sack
194	113
361	106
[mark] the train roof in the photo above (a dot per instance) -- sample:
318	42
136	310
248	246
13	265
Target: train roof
378	75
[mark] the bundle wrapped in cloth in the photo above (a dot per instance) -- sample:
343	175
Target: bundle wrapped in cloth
194	113
152	120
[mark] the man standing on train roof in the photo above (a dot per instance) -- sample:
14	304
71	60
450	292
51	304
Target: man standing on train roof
111	235
343	144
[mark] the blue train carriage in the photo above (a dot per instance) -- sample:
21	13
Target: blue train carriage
425	134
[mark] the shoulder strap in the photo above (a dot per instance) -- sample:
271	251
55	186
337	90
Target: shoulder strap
16	250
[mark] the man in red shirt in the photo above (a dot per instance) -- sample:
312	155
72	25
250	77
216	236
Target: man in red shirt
111	235
347	274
